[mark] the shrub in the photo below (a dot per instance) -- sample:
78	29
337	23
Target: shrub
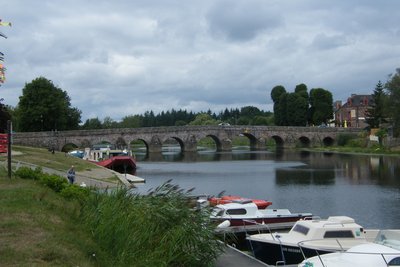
75	192
28	173
343	139
55	182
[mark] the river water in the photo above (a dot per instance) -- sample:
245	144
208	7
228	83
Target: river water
364	187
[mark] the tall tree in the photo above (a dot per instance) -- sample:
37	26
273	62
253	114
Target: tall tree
296	109
321	103
278	96
4	117
45	107
93	123
376	113
393	87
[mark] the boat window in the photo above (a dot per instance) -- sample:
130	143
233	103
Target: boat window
335	234
217	212
394	262
301	229
236	211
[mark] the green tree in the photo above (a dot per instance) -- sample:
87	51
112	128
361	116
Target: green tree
109	123
278	95
321	103
296	109
375	114
301	89
93	123
5	115
132	121
393	88
204	119
45	107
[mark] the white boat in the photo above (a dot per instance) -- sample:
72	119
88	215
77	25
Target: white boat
308	238
242	215
384	252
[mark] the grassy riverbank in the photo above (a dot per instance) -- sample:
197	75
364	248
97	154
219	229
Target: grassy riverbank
47	222
40	228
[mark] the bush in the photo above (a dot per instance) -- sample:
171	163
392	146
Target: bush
55	182
343	139
28	173
75	192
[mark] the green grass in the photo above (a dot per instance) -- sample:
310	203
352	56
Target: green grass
40	228
43	157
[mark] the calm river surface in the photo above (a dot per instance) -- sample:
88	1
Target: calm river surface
365	187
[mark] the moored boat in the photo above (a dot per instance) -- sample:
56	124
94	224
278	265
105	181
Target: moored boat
308	238
383	252
244	215
121	164
261	203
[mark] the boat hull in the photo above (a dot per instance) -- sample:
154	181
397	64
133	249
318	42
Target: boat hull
271	253
121	164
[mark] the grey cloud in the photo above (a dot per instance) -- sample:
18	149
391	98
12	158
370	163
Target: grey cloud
117	58
242	20
322	41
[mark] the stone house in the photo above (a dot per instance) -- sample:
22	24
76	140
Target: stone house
353	112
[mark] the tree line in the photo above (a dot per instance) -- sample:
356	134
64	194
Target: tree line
45	107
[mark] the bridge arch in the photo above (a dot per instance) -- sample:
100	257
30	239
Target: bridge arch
304	141
279	142
328	141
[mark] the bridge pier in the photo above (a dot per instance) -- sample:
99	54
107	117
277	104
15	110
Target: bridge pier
155	145
225	145
190	144
258	144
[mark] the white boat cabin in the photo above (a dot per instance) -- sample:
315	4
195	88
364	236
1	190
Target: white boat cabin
244	209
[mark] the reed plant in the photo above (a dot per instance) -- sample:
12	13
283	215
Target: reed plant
158	229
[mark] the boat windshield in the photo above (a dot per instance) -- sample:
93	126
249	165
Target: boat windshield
389	238
217	212
301	229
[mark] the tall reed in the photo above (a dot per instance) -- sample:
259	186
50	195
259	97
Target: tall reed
158	229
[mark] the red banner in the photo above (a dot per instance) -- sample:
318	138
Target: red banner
3	143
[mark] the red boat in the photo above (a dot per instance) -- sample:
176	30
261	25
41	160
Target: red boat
261	204
121	164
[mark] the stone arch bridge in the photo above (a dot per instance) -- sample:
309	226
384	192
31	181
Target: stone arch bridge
187	137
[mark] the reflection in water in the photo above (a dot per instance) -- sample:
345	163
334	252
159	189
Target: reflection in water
365	187
304	176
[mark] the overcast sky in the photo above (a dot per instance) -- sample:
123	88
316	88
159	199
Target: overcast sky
125	57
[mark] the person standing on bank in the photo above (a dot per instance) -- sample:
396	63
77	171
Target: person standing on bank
71	175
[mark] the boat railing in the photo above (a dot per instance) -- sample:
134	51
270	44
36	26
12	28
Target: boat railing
340	246
383	255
